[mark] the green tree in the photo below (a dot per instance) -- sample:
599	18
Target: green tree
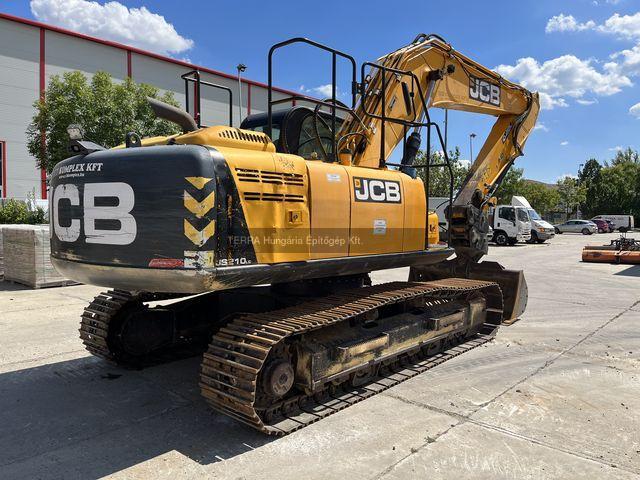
612	187
439	177
625	156
511	185
618	189
591	178
543	199
572	193
105	109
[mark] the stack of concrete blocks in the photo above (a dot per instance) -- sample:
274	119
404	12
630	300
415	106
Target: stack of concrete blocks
27	261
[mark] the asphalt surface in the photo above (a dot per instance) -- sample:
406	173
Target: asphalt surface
556	395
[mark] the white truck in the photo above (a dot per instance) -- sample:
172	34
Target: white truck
622	223
510	224
541	230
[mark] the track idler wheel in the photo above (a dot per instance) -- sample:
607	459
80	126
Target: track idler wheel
279	378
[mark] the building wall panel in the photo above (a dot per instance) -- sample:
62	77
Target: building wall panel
65	53
259	100
164	75
19	89
215	102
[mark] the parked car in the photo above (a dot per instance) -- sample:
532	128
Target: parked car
603	226
622	223
586	227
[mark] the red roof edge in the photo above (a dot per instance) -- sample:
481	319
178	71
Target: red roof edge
33	23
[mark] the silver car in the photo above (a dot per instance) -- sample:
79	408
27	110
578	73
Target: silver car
585	227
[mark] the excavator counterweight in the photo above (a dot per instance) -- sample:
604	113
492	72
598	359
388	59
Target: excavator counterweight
253	246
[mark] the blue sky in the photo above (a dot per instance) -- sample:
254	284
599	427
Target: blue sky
582	55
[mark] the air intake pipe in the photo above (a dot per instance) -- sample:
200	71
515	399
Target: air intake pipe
173	114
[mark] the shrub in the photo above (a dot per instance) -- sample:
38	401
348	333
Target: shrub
16	211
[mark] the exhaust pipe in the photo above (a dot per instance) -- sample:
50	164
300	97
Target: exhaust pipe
173	114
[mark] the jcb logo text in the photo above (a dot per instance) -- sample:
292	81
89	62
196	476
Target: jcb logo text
374	190
484	91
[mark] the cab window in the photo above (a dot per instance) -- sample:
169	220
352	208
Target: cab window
507	213
308	147
523	216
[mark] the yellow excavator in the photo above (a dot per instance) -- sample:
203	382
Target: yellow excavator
253	246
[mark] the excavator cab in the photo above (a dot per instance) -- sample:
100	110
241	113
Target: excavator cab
299	130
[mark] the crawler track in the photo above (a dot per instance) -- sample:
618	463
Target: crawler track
233	365
97	329
96	319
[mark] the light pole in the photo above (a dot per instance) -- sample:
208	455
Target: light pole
471	137
241	68
446	128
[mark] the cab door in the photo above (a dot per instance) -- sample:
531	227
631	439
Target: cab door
330	210
506	221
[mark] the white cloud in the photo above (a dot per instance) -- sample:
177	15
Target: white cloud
584	101
635	110
628	62
624	63
323	91
541	126
564	143
617	148
625	26
547	102
137	27
564	76
567	23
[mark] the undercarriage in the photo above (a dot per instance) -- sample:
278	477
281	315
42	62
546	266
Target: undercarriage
278	358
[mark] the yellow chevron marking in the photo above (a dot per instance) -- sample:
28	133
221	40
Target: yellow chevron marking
199	237
199	209
198	182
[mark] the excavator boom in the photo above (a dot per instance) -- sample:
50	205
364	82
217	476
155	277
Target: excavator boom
396	96
429	72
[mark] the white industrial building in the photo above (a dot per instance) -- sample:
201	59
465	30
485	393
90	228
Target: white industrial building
31	52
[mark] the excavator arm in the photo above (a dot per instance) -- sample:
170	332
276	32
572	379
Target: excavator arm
395	98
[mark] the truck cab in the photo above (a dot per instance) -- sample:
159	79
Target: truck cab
510	224
541	230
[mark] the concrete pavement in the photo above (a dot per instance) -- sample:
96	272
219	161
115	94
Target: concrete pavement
556	395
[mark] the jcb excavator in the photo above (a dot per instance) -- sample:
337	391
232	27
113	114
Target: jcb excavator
268	233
